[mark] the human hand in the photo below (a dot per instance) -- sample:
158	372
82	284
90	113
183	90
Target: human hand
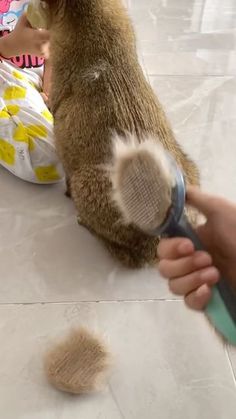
46	88
47	75
25	40
45	99
192	274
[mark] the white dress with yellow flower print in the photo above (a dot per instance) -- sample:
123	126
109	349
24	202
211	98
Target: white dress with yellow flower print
26	129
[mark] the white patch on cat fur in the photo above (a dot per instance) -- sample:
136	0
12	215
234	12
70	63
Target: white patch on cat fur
94	72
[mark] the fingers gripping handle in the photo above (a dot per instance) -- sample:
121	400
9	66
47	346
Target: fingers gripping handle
222	292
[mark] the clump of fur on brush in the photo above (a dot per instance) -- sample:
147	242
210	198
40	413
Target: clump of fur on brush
79	364
132	161
99	88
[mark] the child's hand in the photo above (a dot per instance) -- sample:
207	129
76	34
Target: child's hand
45	99
47	79
47	83
25	40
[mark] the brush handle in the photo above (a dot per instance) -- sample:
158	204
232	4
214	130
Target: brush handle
184	229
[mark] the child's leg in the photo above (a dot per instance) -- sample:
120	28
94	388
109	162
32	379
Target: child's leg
26	130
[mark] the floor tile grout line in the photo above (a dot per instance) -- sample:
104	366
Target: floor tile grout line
231	76
192	75
230	365
161	300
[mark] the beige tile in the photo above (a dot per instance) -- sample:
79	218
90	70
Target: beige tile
232	357
202	113
168	362
201	62
183	8
46	256
184	22
187	37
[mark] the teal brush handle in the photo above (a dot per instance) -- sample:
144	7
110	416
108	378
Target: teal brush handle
222	307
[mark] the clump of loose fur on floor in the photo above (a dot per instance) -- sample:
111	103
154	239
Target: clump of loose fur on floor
79	364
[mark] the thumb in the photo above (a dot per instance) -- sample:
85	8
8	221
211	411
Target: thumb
202	201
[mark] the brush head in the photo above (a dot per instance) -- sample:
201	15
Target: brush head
144	181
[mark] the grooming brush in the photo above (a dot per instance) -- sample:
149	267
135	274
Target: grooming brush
149	190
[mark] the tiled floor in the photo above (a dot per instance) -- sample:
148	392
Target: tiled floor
55	275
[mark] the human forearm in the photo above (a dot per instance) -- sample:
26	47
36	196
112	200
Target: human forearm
24	40
47	78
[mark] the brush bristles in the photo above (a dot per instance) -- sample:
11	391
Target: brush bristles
142	181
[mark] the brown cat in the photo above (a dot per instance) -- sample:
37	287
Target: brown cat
99	88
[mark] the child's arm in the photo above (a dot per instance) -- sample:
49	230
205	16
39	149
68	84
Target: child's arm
47	78
47	83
